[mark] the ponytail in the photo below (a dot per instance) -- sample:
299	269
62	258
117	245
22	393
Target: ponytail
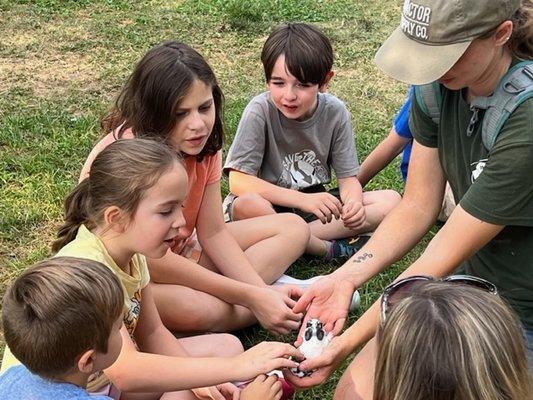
120	176
76	206
521	41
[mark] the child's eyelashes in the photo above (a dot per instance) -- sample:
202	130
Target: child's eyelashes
204	108
298	85
169	211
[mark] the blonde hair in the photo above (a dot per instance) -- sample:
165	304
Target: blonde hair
59	308
447	341
120	176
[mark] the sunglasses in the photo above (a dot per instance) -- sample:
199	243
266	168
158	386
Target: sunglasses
403	288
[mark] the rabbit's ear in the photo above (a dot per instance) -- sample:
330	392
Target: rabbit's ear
320	334
308	334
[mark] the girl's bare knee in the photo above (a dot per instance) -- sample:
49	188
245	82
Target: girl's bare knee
294	226
223	345
229	345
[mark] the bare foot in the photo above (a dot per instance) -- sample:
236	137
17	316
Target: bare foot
263	388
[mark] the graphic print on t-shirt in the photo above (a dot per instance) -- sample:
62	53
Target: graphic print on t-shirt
134	309
301	170
477	169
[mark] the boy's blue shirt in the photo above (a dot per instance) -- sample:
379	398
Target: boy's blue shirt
401	126
19	383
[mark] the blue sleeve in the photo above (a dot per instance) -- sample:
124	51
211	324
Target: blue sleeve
401	122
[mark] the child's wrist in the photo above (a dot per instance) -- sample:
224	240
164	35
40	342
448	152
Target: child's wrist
252	296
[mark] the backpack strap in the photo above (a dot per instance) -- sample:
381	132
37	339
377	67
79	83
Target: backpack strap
429	99
514	88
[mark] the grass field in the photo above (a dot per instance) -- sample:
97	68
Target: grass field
63	62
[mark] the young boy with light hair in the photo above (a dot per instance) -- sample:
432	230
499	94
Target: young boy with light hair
61	319
288	141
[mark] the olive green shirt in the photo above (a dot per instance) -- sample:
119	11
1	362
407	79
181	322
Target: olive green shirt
495	187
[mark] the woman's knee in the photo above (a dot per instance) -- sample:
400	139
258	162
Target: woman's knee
251	205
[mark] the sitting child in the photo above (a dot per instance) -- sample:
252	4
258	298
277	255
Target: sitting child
288	141
62	320
448	341
399	140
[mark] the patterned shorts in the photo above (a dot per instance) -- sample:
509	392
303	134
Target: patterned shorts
190	249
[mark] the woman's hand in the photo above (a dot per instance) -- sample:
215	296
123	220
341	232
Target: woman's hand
328	300
265	357
323	205
322	366
273	309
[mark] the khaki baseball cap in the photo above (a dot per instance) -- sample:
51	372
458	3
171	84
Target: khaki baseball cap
434	34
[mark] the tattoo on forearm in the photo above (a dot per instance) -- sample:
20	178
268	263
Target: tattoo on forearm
363	257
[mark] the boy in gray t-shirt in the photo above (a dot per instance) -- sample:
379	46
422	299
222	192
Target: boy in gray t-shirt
288	141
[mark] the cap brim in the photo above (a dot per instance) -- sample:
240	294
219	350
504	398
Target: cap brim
415	63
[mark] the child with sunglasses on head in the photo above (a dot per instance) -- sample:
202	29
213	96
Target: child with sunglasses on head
454	340
289	140
61	318
127	209
173	96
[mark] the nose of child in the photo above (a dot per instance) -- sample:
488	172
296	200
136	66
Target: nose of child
179	221
289	93
195	122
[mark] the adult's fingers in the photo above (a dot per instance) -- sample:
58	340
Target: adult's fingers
306	382
337	328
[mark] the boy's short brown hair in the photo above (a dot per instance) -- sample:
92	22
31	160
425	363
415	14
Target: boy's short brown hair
57	309
308	52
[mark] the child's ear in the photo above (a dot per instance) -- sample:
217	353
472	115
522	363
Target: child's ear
324	87
114	217
86	362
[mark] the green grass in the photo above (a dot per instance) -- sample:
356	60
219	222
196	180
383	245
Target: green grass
63	62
